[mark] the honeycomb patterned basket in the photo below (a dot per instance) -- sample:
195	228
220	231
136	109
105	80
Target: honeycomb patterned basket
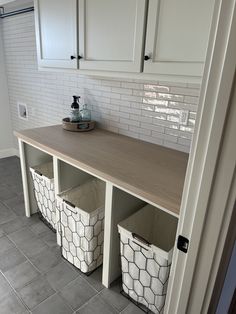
82	224
43	181
146	266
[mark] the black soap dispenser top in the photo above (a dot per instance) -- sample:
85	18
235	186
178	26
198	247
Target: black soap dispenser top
75	104
75	112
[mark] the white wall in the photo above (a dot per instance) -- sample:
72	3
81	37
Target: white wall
6	135
147	110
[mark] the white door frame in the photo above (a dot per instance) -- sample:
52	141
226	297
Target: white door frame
183	297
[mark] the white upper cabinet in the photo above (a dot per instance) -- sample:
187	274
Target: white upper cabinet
177	36
115	35
111	34
56	33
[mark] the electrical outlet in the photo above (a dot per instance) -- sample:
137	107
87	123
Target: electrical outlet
22	111
184	117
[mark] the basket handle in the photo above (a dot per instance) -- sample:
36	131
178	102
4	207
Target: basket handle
69	203
141	239
39	173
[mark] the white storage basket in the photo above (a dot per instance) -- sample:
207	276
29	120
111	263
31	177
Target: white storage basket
146	242
82	224
44	191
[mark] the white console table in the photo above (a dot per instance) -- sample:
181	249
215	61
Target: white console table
135	173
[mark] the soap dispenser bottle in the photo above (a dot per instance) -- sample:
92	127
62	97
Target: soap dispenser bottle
75	112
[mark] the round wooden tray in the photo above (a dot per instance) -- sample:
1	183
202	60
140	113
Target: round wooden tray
83	126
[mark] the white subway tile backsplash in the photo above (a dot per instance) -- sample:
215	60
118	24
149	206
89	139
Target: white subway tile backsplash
185	91
148	110
132	85
191	100
122	90
152	127
184	141
131	98
129	122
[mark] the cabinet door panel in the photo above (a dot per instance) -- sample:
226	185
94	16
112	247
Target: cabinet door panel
56	33
177	36
111	34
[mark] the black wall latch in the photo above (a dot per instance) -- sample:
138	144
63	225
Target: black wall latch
182	244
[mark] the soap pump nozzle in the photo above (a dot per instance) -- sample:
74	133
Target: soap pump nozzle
75	104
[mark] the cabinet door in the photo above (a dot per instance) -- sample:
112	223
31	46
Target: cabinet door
56	33
111	34
177	36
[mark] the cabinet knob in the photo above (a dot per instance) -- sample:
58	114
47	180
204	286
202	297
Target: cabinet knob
80	57
146	58
72	57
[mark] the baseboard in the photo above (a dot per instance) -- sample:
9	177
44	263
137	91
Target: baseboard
9	152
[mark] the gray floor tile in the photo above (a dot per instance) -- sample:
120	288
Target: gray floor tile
49	238
13	225
77	293
5	245
16	188
53	305
132	309
32	246
39	228
95	279
36	292
2	233
33	219
16	204
13	179
6	193
60	275
6	214
11	304
21	236
11	259
21	274
5	288
114	297
96	306
46	259
27	242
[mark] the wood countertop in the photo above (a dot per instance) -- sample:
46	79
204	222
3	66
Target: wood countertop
150	171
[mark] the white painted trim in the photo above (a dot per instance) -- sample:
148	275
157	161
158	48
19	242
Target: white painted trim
56	175
125	75
8	152
214	102
108	229
24	177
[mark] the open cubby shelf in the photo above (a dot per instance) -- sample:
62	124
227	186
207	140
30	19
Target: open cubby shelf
121	198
